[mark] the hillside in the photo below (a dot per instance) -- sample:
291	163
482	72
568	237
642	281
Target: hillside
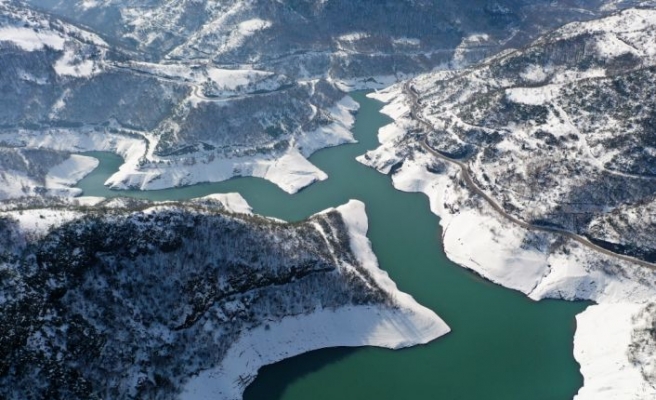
539	162
131	299
198	91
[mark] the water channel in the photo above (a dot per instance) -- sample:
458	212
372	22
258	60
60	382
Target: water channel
503	346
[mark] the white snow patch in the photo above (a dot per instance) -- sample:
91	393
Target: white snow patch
292	172
483	244
609	46
533	96
30	39
69	65
14	184
87	4
229	79
534	73
39	222
406	41
334	134
601	346
71	171
233	202
244	30
353	36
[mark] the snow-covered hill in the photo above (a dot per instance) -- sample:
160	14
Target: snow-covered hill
195	91
346	38
131	299
66	90
555	137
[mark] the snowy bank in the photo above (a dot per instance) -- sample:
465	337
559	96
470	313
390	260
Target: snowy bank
603	357
539	264
58	181
143	170
71	171
409	324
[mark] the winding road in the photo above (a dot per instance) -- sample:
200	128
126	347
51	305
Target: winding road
415	113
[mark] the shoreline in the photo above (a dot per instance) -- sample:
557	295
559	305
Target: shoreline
475	237
408	325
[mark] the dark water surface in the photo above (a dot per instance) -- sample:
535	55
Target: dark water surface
502	347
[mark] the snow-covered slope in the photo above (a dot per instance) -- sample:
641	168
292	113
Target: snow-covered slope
139	299
216	89
405	325
536	131
313	37
26	172
175	123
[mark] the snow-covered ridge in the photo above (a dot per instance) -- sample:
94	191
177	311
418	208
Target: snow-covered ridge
327	291
408	325
30	40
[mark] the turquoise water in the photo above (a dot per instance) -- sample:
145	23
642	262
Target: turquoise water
503	346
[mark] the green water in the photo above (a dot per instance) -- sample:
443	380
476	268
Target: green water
503	346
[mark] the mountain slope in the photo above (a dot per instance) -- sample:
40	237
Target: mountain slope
197	91
539	162
133	299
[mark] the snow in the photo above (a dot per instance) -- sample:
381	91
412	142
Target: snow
406	41
58	181
475	240
611	46
14	184
30	40
395	106
88	201
292	172
243	31
291	336
39	222
409	325
601	346
626	21
129	148
67	66
229	79
87	4
233	202
533	96
336	133
467	48
252	25
353	36
71	171
534	73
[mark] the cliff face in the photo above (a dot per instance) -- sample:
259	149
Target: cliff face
119	302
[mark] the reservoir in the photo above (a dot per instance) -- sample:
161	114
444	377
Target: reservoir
503	346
